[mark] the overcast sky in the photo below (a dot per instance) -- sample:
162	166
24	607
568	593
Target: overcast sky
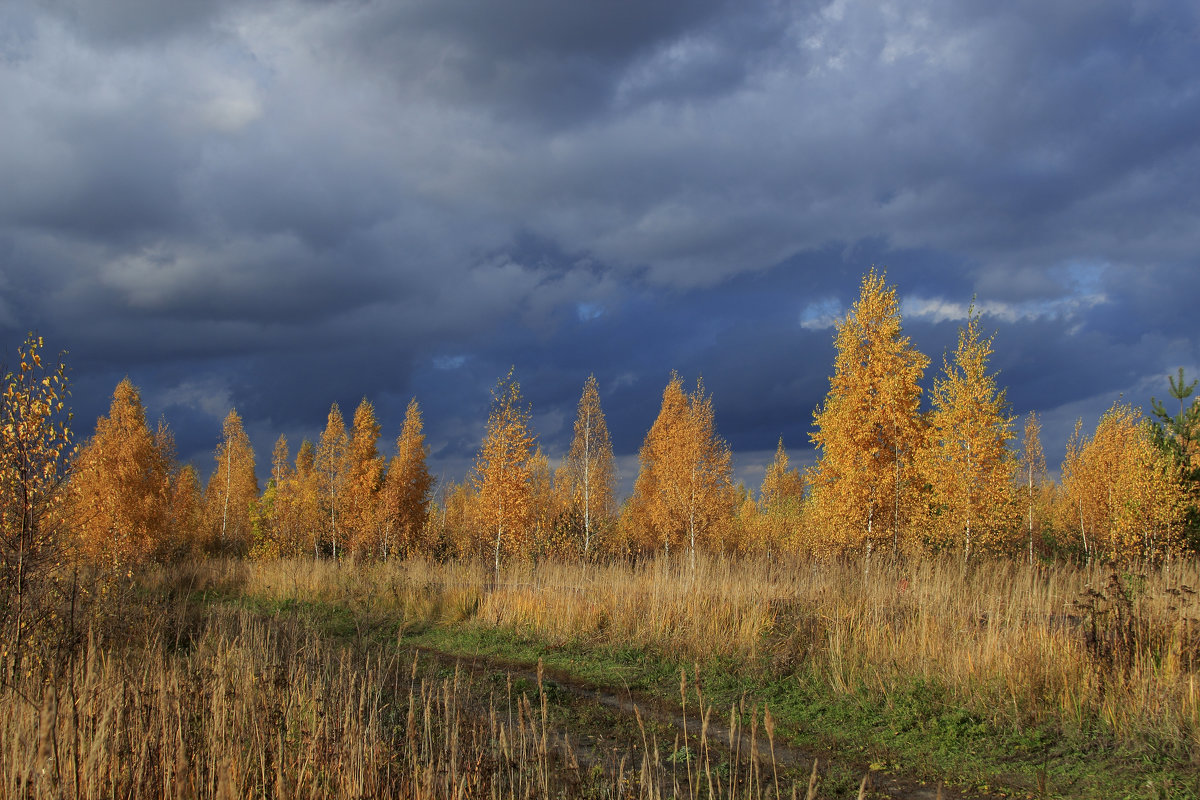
279	205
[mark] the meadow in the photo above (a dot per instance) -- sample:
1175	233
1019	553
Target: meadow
254	708
313	678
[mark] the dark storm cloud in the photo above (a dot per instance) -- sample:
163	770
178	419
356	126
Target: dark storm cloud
135	21
279	205
543	62
92	189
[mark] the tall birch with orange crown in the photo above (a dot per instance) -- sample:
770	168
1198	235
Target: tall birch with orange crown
780	498
232	488
591	476
1073	497
1031	477
684	489
329	466
502	468
968	462
120	486
273	524
364	478
305	498
407	487
1121	490
868	430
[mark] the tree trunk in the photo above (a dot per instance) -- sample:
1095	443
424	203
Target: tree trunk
333	521
870	539
1031	515
1087	551
228	485
967	550
692	518
896	510
16	653
587	463
967	509
499	531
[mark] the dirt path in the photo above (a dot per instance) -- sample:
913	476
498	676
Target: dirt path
737	743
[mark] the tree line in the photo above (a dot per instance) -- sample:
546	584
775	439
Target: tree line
890	476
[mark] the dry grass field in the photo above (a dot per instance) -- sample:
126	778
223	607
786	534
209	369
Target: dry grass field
210	683
1080	646
237	705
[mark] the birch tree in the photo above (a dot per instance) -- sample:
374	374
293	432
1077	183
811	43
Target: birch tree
408	486
1126	492
232	488
868	429
330	469
36	446
589	468
1032	474
684	489
363	481
272	533
120	486
968	462
780	498
305	498
501	477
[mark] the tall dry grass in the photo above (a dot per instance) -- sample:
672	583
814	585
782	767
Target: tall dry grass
241	705
1068	646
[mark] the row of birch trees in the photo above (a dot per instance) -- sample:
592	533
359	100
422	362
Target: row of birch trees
130	501
890	475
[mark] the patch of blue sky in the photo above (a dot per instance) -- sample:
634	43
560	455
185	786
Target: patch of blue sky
589	311
449	362
822	314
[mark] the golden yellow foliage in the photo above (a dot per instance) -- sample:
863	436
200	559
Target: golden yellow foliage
1120	492
864	485
35	448
749	531
967	460
547	507
501	477
184	534
288	518
683	494
330	470
232	489
120	486
186	512
589	471
269	538
406	490
304	501
35	452
780	503
1031	479
455	523
361	516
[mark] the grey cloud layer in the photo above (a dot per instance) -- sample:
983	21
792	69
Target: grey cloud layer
237	190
